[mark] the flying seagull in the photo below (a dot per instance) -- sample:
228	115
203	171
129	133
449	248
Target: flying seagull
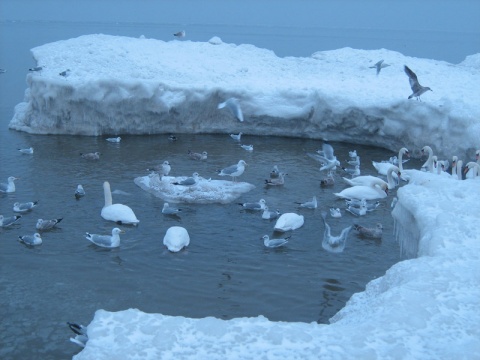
180	34
234	106
415	85
379	66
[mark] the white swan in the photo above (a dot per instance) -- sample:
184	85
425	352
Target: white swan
458	170
473	168
176	238
288	221
382	167
369	192
428	166
471	173
365	180
119	213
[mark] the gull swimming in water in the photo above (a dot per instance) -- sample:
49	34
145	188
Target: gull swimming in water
355	161
275	172
80	331
335	213
352	154
169	210
7	221
106	241
373	233
311	204
274	243
280	180
90	156
352	172
234	106
379	66
79	192
288	221
358	211
176	238
119	213
9	187
417	89
34	239
234	170
24	207
247	147
28	151
180	34
358	203
114	140
334	244
189	181
43	225
260	205
269	215
236	137
197	156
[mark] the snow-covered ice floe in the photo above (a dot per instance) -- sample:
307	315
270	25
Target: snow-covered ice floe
128	85
204	191
423	308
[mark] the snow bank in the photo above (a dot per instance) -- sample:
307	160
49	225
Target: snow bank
120	85
422	308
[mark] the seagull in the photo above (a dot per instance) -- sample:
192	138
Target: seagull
43	225
168	210
332	243
275	172
7	221
36	68
163	169
188	181
80	331
24	207
312	204
180	34
414	84
335	213
329	180
114	140
9	187
358	211
358	203
280	180
268	215
234	106
374	233
233	170
197	156
379	66
352	172
274	243
79	192
106	241
247	147
354	162
352	154
90	156
236	137
65	73
326	157
260	205
28	151
172	137
34	239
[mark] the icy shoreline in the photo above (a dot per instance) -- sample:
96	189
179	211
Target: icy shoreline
422	308
120	85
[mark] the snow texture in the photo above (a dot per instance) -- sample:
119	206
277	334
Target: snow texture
121	85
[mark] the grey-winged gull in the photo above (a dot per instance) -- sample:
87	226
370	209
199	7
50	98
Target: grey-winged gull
311	204
9	187
90	156
114	139
180	34
28	151
269	215
280	180
106	241
43	225
379	66
234	170
170	210
189	181
197	156
417	89
79	192
234	106
34	239
274	243
7	221
260	205
236	137
24	207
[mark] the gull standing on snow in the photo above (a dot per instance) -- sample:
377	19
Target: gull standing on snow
280	180
189	181
90	156
106	241
373	233
169	210
379	66
28	151
79	192
24	207
234	170
417	89
34	239
197	156
163	169
274	243
9	187
234	106
260	205
311	204
43	225
7	221
180	34
331	243
114	140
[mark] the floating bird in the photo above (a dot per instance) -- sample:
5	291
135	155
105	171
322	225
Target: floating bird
352	172
65	73
311	204
90	156
172	137
247	147
197	156
234	170
274	243
373	233
428	165
163	169
358	211
352	154
7	221
275	172
34	239
24	207
236	137
394	202
355	161
329	180
36	68
189	181
80	331
331	243
119	213
43	225
28	151
79	192
358	203
234	106
335	213
106	241
169	210
260	205
370	192
114	140
417	89
280	180
288	221
176	238
379	66
9	187
269	215
180	34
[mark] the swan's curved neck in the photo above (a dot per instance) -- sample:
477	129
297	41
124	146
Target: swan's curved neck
107	193
400	160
